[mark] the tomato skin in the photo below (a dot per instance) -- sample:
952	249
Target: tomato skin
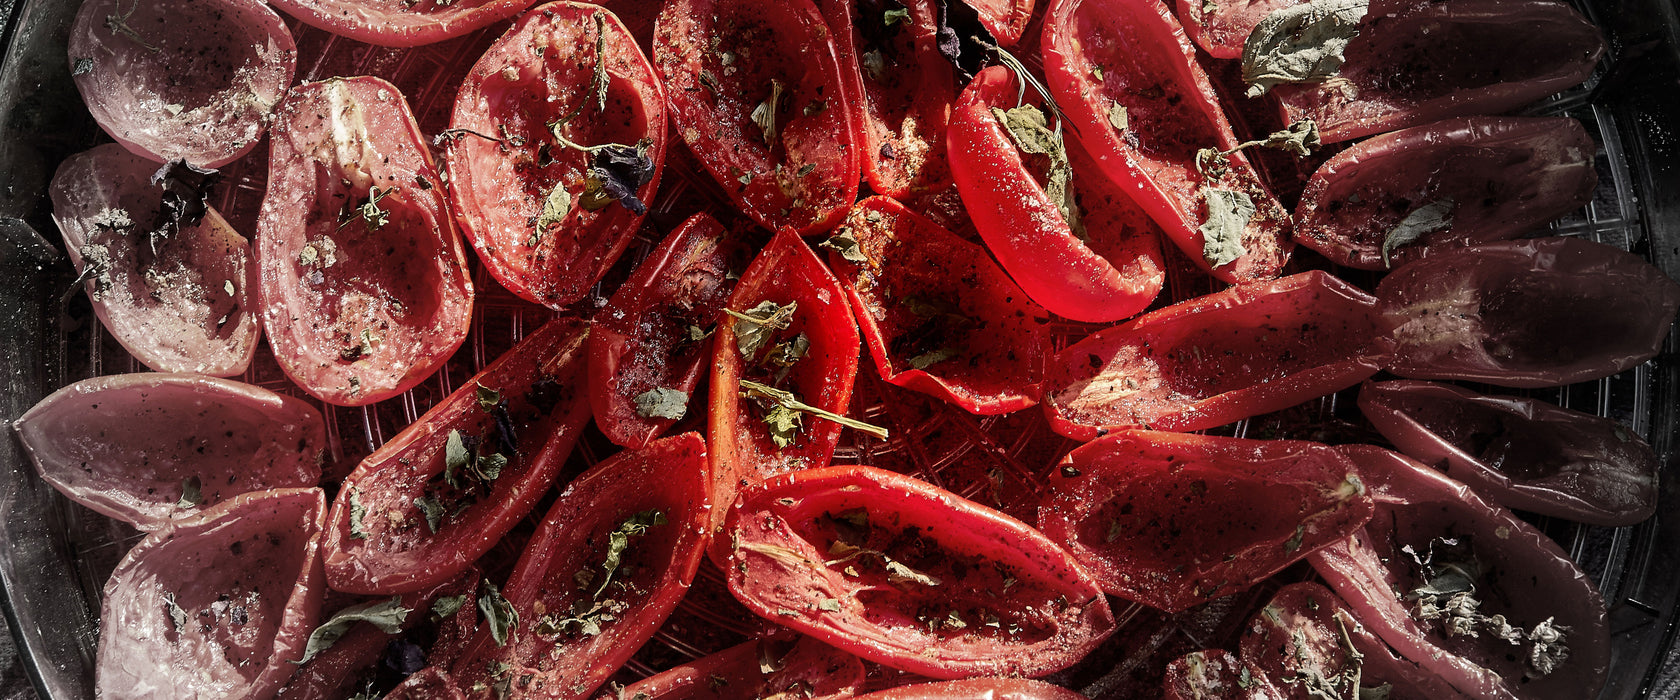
1529	580
1001	358
1221	33
1146	63
819	123
1116	275
399	553
782	537
499	187
817	670
430	683
977	689
1418	64
1216	674
398	23
1527	313
1172	520
1215	359
1504	175
335	672
357	313
668	475
1005	19
1520	453
640	338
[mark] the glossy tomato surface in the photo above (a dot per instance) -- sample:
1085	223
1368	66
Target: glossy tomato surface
1216	674
757	669
530	203
977	689
1220	27
401	23
364	283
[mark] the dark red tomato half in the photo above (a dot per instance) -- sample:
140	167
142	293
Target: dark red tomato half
1216	674
437	496
1129	82
400	23
1215	359
605	568
938	314
1433	540
756	92
757	669
893	65
977	689
1520	453
1220	27
1528	313
363	281
743	450
353	662
651	335
532	204
1429	61
910	576
1460	181
1171	520
1107	270
427	684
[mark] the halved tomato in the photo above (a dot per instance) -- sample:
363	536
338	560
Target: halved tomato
1220	27
1005	19
977	689
401	22
430	683
763	668
1216	674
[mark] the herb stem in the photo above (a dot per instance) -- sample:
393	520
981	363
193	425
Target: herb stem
788	400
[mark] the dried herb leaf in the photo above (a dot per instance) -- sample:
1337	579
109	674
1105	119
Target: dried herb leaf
177	616
600	79
892	17
786	399
962	38
764	115
488	399
660	402
1031	133
185	199
1117	117
1431	217
873	63
1299	138
616	172
357	512
446	606
1300	44
784	425
555	206
429	506
1222	233
455	456
498	613
756	326
846	244
83	66
619	540
387	615
931	358
191	493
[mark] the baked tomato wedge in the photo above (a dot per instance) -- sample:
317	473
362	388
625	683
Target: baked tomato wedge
910	576
605	568
1005	19
427	684
434	498
977	689
148	449
1425	62
1519	452
1216	674
1172	520
401	23
364	283
756	92
1215	359
1129	83
1220	27
1075	243
178	293
215	606
366	658
1460	181
556	145
1527	313
170	79
648	346
938	315
763	668
1465	589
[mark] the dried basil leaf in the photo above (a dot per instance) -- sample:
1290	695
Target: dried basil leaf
387	615
616	172
1222	233
756	326
1299	44
619	540
488	399
931	358
1299	138
446	606
787	400
1431	217
846	244
498	613
357	512
892	17
186	197
177	616
764	115
660	402
1031	133
963	39
429	506
784	425
455	456
555	206
191	493
1117	117
600	79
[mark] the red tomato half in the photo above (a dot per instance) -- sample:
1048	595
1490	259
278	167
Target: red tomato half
1433	533
532	205
756	92
977	689
938	314
1429	61
907	575
352	663
1215	359
401	22
419	511
1005	19
1220	27
1109	269
1483	178
363	281
754	670
1528	313
1173	520
428	684
1216	674
606	566
1130	84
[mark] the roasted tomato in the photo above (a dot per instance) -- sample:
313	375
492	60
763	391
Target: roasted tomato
756	92
1417	64
938	314
363	281
907	575
175	287
371	653
1520	453
1070	238
1172	520
648	346
1215	359
977	689
1528	313
1459	181
1216	674
1220	27
556	144
790	330
148	449
440	494
182	80
757	669
215	606
401	22
427	684
889	56
606	566
1131	86
1005	19
1467	590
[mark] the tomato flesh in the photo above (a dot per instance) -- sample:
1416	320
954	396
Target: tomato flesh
400	23
757	669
